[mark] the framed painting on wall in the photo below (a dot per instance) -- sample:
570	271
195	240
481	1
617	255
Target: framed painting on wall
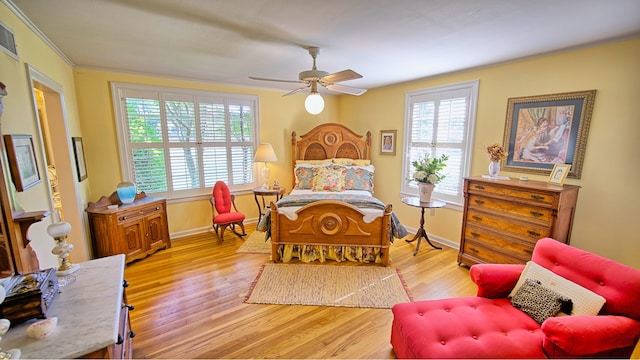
78	150
541	131
22	161
388	142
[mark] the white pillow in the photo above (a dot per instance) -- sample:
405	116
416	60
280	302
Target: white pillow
585	301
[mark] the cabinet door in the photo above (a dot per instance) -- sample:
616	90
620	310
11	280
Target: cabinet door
156	231
132	234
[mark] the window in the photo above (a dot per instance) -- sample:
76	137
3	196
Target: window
178	143
440	121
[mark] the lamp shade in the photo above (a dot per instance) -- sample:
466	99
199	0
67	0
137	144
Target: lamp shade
314	104
265	153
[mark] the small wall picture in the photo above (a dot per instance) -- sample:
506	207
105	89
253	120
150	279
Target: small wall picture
22	161
388	142
559	174
81	165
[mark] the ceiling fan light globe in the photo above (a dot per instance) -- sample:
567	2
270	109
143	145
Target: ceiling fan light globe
314	104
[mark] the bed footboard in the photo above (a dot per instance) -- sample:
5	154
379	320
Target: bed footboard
331	223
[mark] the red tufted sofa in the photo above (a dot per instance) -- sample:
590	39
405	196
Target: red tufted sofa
488	326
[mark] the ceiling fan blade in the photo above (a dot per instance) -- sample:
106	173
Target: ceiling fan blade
296	90
346	89
343	75
278	80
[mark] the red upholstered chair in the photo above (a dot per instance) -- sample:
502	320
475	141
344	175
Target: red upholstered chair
224	209
488	326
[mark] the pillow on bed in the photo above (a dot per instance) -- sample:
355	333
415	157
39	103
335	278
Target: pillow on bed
303	172
328	179
313	162
352	162
358	177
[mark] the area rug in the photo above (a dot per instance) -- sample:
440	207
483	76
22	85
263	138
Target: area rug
255	244
328	285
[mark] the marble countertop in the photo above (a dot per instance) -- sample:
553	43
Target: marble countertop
88	312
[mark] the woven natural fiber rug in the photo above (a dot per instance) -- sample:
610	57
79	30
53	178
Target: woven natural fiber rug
328	285
255	244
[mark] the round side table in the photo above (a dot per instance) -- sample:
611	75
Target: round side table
262	193
422	234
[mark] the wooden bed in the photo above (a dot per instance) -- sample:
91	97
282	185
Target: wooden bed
330	222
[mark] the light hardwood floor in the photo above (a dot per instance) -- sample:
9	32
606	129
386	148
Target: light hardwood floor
189	304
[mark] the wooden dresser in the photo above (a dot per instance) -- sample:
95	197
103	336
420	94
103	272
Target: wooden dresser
135	230
503	219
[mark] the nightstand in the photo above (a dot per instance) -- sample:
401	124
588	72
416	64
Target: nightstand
262	193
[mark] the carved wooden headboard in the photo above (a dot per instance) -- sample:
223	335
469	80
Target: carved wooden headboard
328	141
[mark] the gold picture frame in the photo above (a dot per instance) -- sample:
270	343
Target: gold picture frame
541	131
388	142
559	174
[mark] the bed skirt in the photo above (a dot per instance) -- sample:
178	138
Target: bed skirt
322	253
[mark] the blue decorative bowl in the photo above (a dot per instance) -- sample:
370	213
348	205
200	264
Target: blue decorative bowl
126	192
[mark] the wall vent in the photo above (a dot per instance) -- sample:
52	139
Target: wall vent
8	41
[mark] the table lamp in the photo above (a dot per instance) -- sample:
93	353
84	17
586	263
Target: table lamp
59	231
265	154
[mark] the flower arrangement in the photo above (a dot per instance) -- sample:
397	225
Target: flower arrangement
496	152
428	169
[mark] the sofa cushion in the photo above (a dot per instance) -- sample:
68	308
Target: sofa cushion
619	284
475	327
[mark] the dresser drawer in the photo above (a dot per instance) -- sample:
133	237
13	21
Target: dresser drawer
139	212
523	194
499	242
544	215
517	229
478	253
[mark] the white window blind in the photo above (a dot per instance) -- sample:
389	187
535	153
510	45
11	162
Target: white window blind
440	121
178	143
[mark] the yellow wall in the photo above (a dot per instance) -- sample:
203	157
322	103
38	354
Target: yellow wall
604	216
278	117
19	117
605	212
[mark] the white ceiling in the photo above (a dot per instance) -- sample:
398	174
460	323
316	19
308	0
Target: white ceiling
387	41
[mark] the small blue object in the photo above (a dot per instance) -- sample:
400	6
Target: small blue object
126	192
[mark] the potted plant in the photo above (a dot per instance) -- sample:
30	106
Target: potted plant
428	172
496	153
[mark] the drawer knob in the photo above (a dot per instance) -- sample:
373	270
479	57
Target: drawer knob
157	207
476	217
536	213
528	251
537	197
474	250
479	202
479	187
475	234
533	233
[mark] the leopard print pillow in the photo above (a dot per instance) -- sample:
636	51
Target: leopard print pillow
539	302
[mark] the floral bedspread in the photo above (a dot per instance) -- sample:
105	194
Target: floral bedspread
361	201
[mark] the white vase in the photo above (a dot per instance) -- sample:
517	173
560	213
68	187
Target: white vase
494	168
425	190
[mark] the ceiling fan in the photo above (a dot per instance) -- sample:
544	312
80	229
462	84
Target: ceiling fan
311	79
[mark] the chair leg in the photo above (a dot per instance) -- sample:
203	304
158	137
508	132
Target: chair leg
233	228
223	228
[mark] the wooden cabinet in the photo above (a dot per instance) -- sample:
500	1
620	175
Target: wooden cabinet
135	230
503	219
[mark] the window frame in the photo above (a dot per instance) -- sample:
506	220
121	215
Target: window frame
407	189
118	91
